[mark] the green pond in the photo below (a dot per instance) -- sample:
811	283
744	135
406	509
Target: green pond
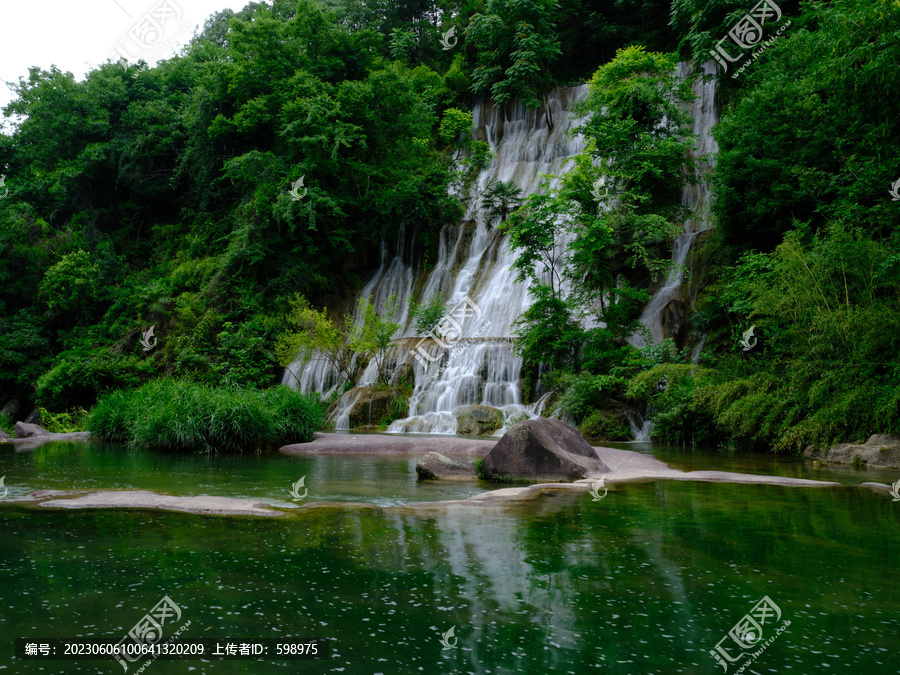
647	580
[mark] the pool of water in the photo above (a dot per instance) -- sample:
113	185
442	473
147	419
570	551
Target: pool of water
647	580
384	480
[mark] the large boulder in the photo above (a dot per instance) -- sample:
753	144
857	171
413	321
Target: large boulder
477	420
880	451
544	450
435	465
25	430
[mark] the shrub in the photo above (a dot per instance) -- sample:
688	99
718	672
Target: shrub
602	425
6	424
678	416
187	417
585	393
65	422
109	418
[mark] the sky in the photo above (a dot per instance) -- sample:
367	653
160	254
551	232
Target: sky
75	35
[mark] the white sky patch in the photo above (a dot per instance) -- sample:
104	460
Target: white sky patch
78	35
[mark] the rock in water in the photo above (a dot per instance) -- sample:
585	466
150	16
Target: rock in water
475	420
436	465
544	450
25	430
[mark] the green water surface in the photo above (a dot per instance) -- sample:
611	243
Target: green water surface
646	580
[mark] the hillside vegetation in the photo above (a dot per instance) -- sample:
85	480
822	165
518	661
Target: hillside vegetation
161	197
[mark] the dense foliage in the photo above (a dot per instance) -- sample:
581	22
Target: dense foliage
162	197
226	196
805	251
189	417
619	204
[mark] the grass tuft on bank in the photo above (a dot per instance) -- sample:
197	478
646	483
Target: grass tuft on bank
183	416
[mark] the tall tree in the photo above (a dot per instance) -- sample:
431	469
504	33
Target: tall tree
516	42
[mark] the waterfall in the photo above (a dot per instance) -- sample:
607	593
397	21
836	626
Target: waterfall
640	429
473	266
696	199
473	263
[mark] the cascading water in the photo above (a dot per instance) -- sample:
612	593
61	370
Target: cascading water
473	263
640	429
473	266
693	197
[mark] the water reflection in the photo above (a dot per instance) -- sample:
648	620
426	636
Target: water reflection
646	581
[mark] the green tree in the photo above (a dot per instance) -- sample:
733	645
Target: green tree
312	331
427	314
536	229
499	200
806	136
403	43
73	285
641	132
516	44
460	146
373	335
641	136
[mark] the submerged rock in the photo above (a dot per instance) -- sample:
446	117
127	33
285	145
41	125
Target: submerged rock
477	420
25	430
435	465
542	449
147	499
880	451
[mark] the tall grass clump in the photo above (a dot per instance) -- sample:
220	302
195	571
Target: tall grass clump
108	419
185	416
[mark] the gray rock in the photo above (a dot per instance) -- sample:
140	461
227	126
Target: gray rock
389	444
25	430
34	417
11	408
674	321
889	440
542	449
3	435
434	465
880	451
146	499
35	442
404	374
477	420
368	405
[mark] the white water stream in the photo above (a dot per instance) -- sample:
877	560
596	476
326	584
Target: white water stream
473	262
693	197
